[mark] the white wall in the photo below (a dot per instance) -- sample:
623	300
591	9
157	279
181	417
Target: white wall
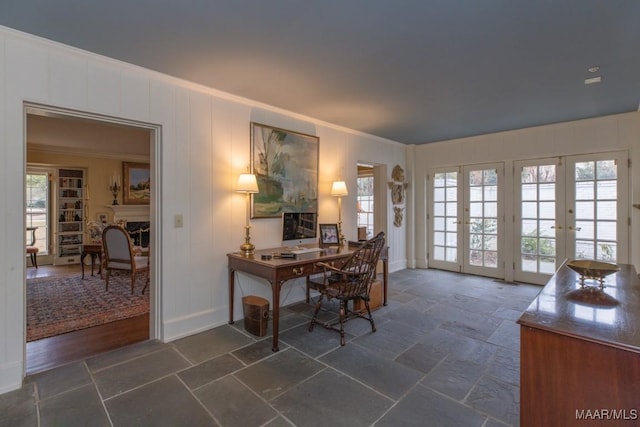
204	146
610	133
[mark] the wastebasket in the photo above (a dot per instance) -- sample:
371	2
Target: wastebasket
256	314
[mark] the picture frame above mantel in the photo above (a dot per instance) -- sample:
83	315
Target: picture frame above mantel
136	183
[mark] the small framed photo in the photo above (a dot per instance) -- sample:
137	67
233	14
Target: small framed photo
102	217
329	234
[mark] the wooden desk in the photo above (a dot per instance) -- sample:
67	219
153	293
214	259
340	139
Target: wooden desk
93	251
277	271
580	352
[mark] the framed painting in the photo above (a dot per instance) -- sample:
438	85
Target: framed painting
286	166
136	183
329	234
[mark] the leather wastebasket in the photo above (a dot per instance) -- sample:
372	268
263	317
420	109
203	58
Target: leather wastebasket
256	315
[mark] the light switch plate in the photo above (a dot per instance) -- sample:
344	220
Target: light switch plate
178	221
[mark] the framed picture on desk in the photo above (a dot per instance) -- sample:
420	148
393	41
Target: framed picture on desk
328	234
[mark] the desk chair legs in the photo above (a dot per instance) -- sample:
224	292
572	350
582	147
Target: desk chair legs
344	314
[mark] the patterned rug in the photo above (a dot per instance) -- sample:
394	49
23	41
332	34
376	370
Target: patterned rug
57	305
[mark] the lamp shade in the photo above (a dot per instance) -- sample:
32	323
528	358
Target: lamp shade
247	183
339	188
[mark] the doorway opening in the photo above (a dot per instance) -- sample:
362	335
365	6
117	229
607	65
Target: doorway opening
93	148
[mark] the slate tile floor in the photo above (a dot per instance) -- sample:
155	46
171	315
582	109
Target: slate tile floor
446	353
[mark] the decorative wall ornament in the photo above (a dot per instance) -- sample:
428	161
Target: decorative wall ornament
398	185
398	214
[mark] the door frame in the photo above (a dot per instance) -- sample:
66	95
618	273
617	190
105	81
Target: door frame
155	207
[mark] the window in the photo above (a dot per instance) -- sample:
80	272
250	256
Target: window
365	199
37	208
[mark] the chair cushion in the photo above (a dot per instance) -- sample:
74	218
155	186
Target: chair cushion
119	265
141	261
32	250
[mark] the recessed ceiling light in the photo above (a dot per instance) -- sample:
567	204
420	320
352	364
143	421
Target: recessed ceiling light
593	80
593	69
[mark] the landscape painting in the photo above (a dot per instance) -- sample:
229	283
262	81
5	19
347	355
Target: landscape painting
137	183
286	166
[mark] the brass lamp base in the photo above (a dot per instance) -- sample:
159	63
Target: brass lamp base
247	247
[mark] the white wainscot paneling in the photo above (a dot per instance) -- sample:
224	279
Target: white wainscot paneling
68	80
27	71
104	88
135	95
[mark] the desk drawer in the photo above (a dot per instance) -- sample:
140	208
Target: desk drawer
306	269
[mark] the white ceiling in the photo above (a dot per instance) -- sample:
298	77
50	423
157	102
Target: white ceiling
414	71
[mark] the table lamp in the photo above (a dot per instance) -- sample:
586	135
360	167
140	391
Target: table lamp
339	189
247	184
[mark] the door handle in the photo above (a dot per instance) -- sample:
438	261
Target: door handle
559	227
575	228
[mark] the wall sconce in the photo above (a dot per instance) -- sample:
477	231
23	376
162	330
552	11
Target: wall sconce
114	187
339	189
247	184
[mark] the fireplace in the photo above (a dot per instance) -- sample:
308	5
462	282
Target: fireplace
136	218
139	232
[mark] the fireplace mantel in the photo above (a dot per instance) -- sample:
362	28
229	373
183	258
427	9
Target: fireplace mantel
130	213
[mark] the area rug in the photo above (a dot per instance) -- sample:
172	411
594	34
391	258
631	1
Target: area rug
58	305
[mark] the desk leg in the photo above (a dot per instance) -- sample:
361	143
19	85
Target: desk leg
84	254
232	285
275	298
385	278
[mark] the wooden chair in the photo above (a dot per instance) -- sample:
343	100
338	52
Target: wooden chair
119	255
32	249
350	282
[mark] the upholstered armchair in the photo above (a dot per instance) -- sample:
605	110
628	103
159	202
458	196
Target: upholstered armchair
120	256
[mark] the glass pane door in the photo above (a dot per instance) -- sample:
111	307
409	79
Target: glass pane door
483	221
537	226
445	220
598	215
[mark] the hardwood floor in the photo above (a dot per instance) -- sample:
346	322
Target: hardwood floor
62	349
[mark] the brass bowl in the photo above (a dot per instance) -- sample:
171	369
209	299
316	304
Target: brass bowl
589	269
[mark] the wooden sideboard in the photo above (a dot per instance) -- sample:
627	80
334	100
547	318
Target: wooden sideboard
580	353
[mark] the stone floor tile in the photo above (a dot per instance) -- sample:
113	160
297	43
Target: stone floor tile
388	377
18	407
165	402
331	399
78	407
209	344
314	343
454	377
499	399
233	404
123	354
257	351
58	380
136	372
209	371
421	407
273	376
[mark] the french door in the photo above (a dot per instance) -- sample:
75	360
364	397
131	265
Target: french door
572	207
466	219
